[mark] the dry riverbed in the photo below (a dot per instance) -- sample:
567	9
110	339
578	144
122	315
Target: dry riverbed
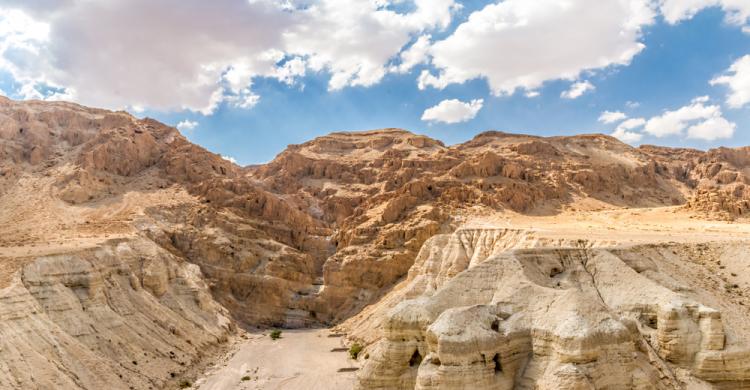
300	359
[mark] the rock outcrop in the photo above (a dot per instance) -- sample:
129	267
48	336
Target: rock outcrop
547	318
111	222
123	315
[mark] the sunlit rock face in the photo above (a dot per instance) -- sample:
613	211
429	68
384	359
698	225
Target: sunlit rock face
122	242
548	318
125	314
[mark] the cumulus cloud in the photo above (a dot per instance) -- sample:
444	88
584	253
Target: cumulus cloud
711	129
187	54
737	11
701	121
230	159
520	44
626	136
187	125
697	120
625	130
737	79
577	89
355	40
416	54
164	55
632	123
611	116
453	111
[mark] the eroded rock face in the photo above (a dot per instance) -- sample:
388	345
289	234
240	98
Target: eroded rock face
335	222
326	230
124	315
549	319
385	192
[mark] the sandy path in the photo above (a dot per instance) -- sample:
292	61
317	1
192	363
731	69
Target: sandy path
301	359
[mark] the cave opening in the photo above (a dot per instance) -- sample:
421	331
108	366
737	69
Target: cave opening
416	358
498	366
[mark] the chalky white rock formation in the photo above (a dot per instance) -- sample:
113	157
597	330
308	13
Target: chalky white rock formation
482	315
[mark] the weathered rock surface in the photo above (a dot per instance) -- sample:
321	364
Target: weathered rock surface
347	227
123	315
480	316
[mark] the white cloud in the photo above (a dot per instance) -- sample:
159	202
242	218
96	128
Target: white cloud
230	159
697	120
163	55
532	94
701	121
626	136
577	89
737	11
632	105
711	129
187	125
625	130
183	54
414	55
291	70
737	78
521	44
355	40
453	111
611	116
632	123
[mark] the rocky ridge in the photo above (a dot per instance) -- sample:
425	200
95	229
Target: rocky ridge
326	229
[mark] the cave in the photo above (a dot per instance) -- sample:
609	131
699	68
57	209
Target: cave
416	358
498	366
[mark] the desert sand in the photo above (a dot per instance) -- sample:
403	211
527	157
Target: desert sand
300	359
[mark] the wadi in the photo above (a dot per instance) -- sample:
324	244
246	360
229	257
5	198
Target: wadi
131	258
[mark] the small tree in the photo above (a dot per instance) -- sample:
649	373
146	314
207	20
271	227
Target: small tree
354	350
275	334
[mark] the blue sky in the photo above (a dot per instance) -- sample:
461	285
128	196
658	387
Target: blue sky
664	86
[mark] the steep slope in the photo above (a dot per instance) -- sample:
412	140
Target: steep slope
110	222
475	312
385	192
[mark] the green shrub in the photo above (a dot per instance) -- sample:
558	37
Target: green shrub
275	334
354	350
245	378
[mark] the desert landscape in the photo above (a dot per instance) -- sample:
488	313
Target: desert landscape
131	258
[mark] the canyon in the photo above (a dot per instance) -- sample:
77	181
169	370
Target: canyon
131	258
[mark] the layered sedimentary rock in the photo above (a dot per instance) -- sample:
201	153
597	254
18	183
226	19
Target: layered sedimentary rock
549	318
385	192
335	222
123	315
349	224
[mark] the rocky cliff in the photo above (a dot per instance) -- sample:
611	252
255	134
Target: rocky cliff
110	222
476	313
